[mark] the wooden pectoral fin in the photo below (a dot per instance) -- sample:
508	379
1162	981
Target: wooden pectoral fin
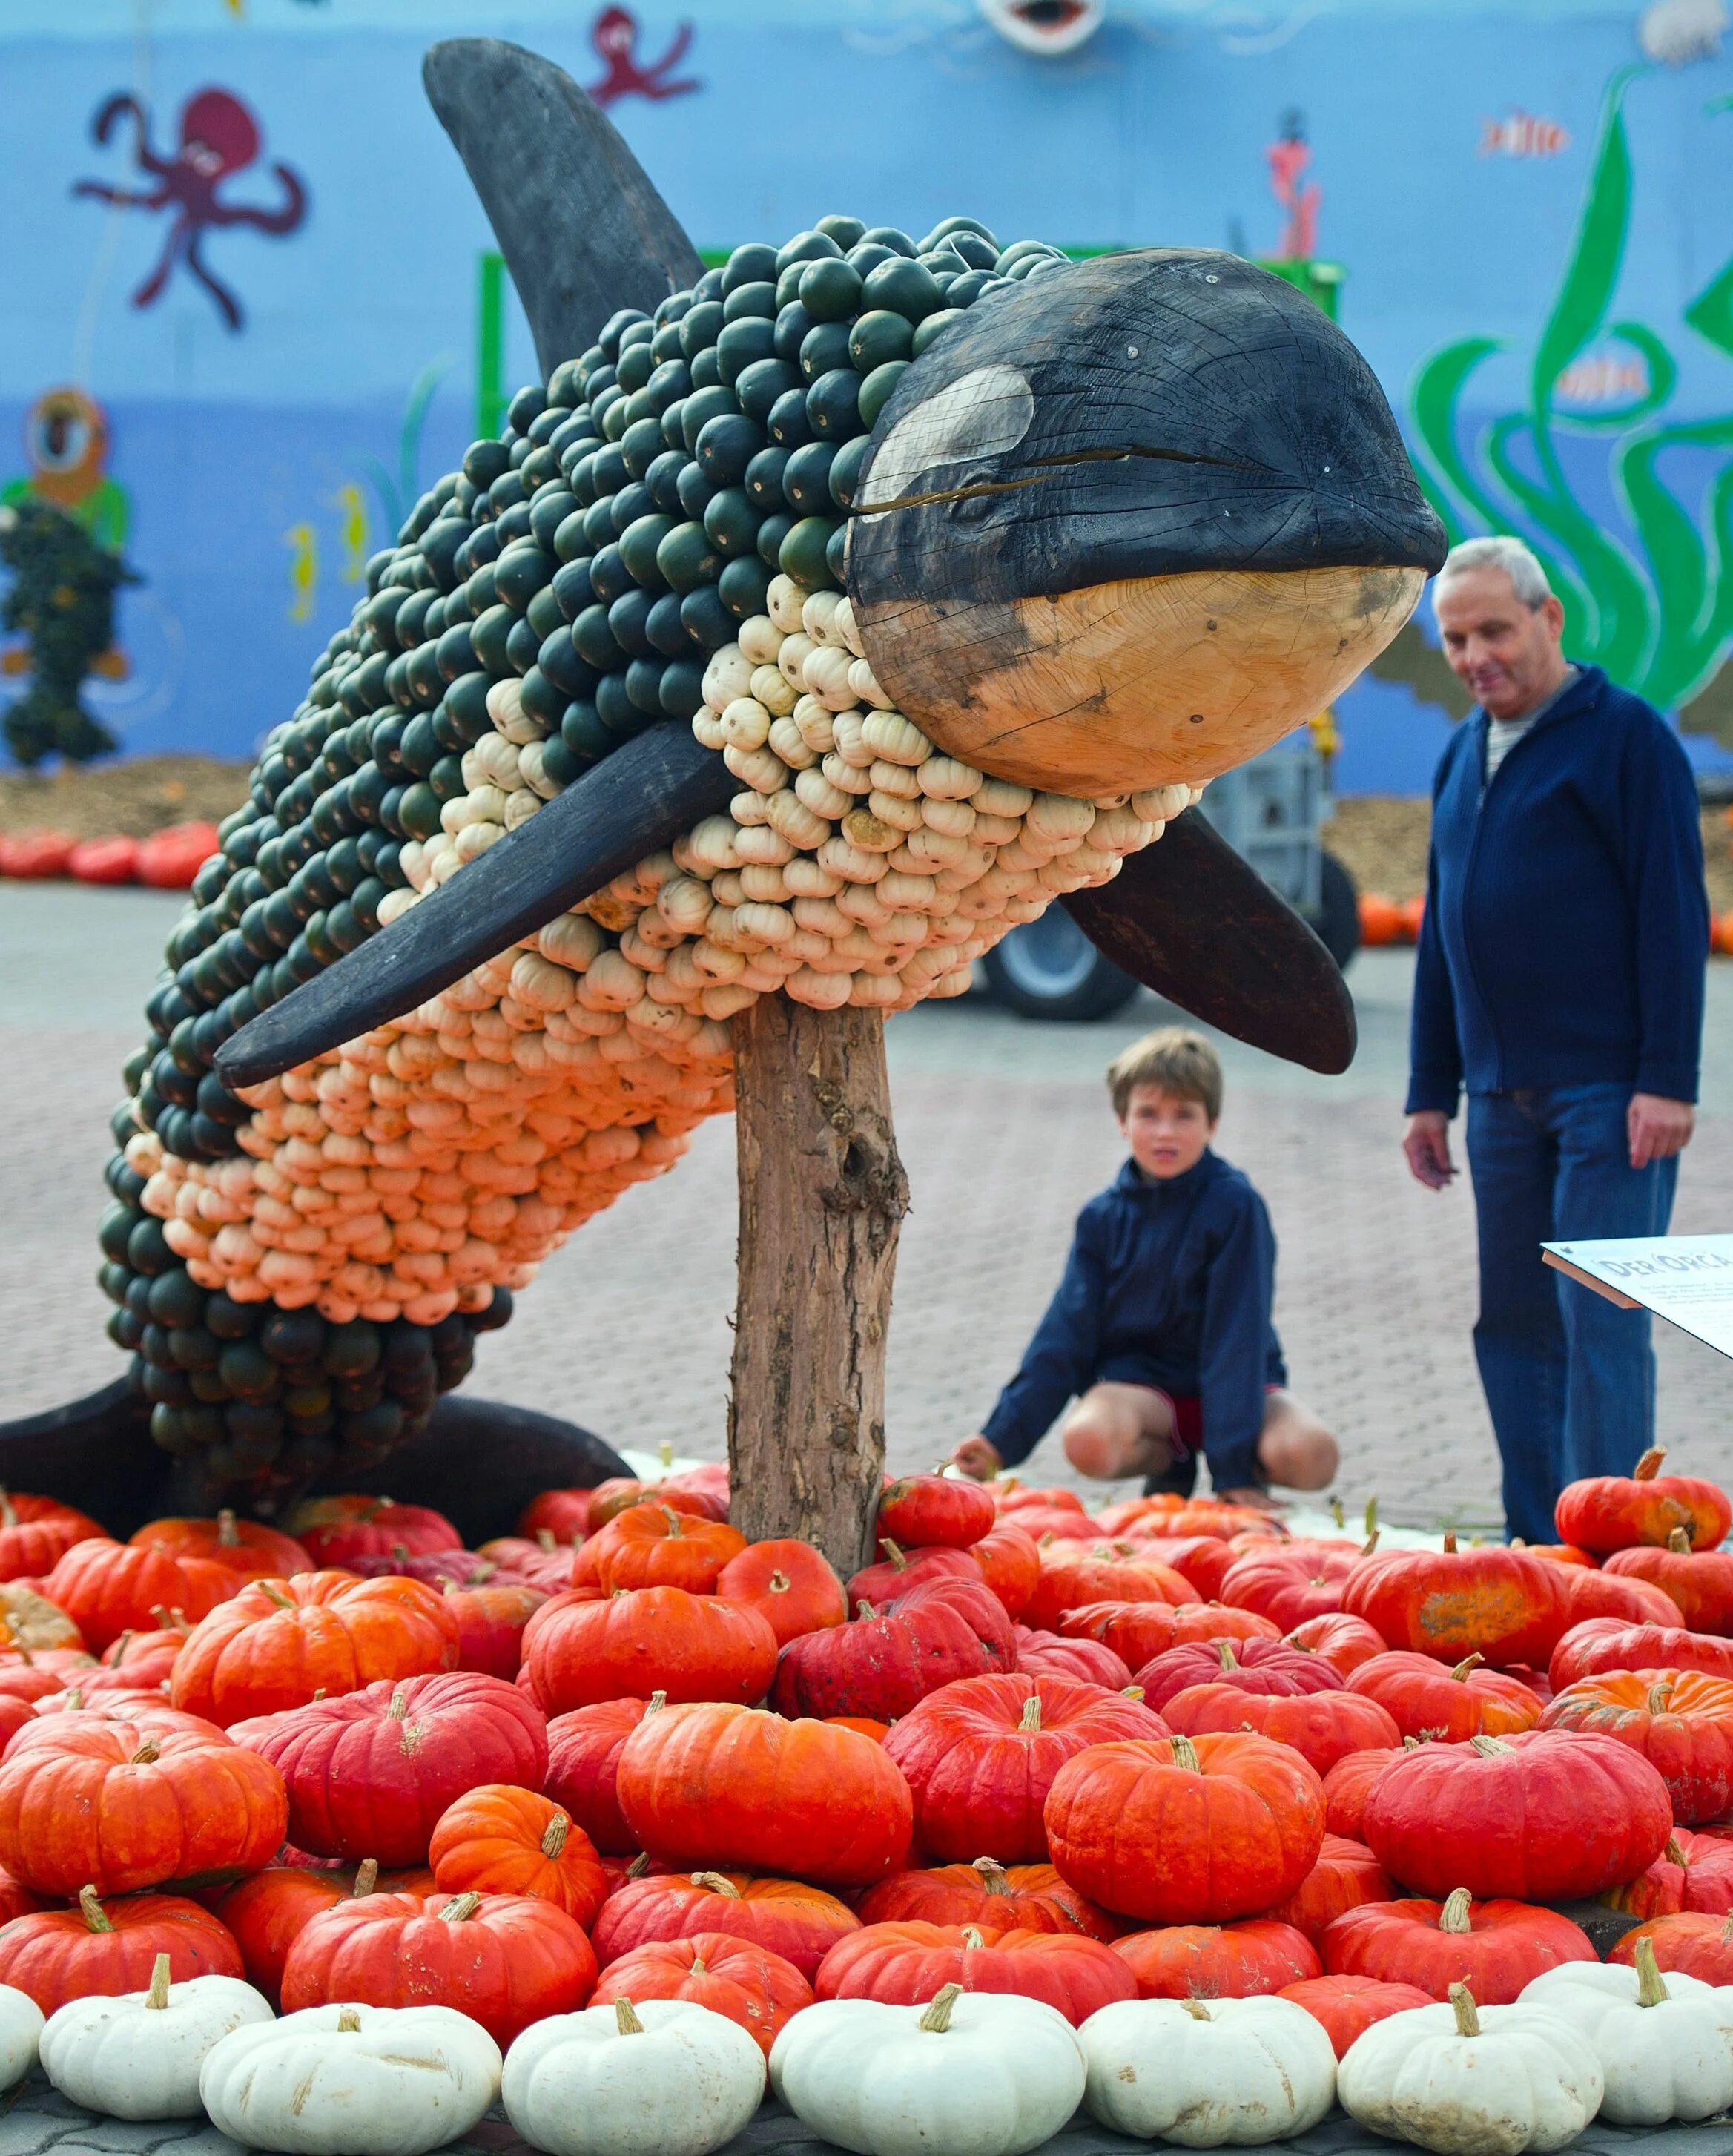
1190	919
650	790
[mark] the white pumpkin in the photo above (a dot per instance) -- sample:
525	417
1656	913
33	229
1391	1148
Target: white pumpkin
972	2074
352	2080
138	2056
667	2078
20	2032
1463	2082
1206	2072
1665	2044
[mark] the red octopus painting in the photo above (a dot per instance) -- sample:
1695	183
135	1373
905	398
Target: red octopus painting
614	35
219	137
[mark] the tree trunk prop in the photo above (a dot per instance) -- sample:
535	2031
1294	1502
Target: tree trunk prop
822	1198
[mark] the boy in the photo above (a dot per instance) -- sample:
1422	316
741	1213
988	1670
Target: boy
1161	1329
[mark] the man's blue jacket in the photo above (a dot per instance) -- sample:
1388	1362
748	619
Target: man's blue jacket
1566	926
1169	1283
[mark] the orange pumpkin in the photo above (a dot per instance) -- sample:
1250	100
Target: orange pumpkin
1346	1875
1502	1603
1345	1642
747	1984
243	1546
905	1965
1070	1576
786	1916
1680	1721
1345	2007
281	1642
1010	1563
1349	1783
1693	1943
36	1533
736	1785
500	1840
120	1806
1699	1582
1453	1705
1608	1512
920	1510
1495	1947
89	1951
1694	1871
1206	1560
1138	1631
789	1584
1321	1727
1177	1830
656	1639
657	1546
1020	1897
108	1588
1247	1960
1381	921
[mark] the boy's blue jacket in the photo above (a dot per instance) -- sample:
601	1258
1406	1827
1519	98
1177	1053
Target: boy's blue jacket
1566	925
1168	1284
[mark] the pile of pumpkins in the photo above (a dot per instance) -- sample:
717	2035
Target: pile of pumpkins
341	1834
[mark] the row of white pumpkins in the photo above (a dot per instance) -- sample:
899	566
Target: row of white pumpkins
972	2074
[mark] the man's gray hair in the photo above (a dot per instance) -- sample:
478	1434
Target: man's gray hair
1528	579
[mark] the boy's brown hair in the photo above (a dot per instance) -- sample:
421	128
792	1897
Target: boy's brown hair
1174	1059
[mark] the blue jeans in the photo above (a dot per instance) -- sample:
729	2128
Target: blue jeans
1569	1378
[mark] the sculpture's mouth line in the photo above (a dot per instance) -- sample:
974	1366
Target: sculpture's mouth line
1046	468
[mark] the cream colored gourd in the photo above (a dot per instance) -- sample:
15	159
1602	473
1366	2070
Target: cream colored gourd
352	2080
1665	2044
1203	2073
139	2055
665	2078
970	2074
21	2025
1463	2082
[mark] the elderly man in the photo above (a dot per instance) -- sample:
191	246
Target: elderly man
1560	983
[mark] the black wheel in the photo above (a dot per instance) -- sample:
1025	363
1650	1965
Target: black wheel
1049	968
1338	922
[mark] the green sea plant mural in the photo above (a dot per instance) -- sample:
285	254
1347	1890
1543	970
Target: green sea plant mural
1653	603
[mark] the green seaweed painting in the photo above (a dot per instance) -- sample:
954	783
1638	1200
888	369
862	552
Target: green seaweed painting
1652	605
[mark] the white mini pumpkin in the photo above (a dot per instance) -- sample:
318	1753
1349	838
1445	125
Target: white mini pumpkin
1463	2082
138	2056
667	2078
970	2074
352	2080
1205	2072
20	2033
1665	2044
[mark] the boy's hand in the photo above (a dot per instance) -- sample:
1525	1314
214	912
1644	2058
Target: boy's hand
1254	1499
976	1457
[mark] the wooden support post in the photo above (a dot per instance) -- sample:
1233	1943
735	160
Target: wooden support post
821	1198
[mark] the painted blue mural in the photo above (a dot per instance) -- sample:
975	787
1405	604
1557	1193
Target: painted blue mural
253	307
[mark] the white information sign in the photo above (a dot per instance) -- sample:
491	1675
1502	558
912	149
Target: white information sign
1686	1279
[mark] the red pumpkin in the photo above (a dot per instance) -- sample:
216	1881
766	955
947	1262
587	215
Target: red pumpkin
1246	1960
1494	1948
1131	1513
920	1510
1288	1587
1343	1642
333	1530
1425	1700
108	1588
16	1899
120	1806
784	1916
692	1647
369	1774
268	1911
1600	1644
1070	1576
1694	1871
1076	1662
1321	1727
36	1533
490	1623
1499	1603
905	1965
502	1839
583	1757
1254	1666
14	1713
562	1513
1596	1593
1010	1563
1608	1512
745	1983
1542	1816
734	1785
90	1951
1346	1875
657	1546
243	1546
279	1642
1139	1631
897	1570
789	1584
980	1756
620	1493
1057	1524
504	1959
1699	1582
1023	1897
1179	1830
1010	1495
1345	2007
1680	1721
440	1569
887	1660
137	1661
1205	1560
1349	1783
1692	1943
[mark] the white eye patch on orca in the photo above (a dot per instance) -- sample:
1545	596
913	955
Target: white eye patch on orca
982	414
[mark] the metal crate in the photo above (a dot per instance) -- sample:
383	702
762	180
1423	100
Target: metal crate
1271	811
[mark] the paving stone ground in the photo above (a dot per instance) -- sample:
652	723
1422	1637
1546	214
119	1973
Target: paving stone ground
1005	1131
